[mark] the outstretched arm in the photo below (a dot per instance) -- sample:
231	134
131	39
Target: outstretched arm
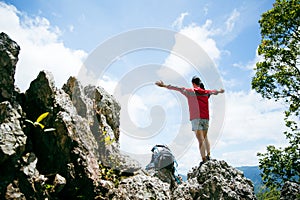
171	87
215	92
187	92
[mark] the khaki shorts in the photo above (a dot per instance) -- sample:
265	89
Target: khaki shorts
200	124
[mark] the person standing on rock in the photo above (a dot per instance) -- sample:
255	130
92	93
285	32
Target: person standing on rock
197	98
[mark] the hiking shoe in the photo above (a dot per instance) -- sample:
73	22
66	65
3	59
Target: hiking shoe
201	163
207	158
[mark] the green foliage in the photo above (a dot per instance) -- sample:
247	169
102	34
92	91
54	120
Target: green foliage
47	188
268	194
280	164
110	174
278	77
38	120
107	139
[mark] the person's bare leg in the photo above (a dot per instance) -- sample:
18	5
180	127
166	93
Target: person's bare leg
206	142
200	138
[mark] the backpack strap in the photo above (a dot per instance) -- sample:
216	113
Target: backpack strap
175	162
163	146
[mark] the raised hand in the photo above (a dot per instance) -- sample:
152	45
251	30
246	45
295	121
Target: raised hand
221	91
160	83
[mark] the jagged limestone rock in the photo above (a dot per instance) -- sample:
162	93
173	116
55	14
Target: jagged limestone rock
12	144
12	137
76	145
13	192
30	180
71	143
218	180
9	51
83	105
213	180
58	183
107	106
102	111
140	186
290	191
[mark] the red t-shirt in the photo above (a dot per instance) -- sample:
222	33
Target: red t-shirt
197	100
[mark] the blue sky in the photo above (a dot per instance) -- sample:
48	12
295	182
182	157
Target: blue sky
59	35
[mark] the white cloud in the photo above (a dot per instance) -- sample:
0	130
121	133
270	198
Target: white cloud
191	157
200	35
251	124
205	9
178	22
71	28
149	116
230	22
137	110
40	47
249	65
241	158
108	84
245	153
245	67
147	106
230	83
250	117
180	66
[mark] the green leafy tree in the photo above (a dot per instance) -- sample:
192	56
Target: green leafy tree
267	194
278	77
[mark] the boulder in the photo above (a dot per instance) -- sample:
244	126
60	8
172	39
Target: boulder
30	181
290	191
218	180
140	186
13	192
213	180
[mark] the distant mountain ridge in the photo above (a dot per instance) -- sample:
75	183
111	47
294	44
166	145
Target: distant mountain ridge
252	173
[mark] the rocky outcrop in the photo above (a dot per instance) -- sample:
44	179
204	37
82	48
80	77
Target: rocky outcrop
141	186
70	148
218	180
102	112
290	190
12	143
213	180
9	51
61	156
12	138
